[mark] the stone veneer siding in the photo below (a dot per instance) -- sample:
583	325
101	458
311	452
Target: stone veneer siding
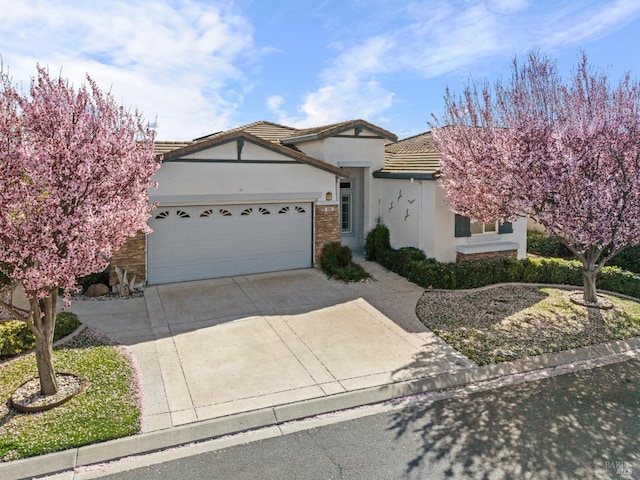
461	257
326	228
132	256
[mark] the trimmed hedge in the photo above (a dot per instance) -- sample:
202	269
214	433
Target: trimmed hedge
429	273
15	336
336	262
539	243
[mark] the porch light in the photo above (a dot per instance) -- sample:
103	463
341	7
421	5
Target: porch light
328	196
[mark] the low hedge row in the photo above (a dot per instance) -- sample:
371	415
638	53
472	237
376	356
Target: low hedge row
539	243
15	336
412	264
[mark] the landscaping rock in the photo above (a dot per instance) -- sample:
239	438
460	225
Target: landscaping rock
97	290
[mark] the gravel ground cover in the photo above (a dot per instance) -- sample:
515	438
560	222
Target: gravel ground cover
507	322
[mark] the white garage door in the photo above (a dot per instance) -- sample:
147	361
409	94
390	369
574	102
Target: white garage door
197	242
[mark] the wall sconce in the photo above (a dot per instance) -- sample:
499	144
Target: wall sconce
328	196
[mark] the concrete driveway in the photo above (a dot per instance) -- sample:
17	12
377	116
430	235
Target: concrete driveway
213	348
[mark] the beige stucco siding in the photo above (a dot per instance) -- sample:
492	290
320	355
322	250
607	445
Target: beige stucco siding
401	209
419	215
355	152
176	179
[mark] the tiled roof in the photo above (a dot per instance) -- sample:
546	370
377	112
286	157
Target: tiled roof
160	148
416	154
234	134
308	131
324	131
275	133
423	142
265	130
270	131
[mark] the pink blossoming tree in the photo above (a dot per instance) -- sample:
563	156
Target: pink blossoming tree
75	169
567	154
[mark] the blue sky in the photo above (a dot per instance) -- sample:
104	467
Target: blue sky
203	66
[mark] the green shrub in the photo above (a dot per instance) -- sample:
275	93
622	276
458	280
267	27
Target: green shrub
334	257
377	243
351	273
15	336
627	259
66	323
540	243
429	273
336	262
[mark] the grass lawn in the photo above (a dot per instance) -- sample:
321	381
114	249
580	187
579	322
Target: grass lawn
505	323
109	408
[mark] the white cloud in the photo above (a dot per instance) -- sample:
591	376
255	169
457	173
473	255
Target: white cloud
578	23
348	98
275	102
181	61
431	39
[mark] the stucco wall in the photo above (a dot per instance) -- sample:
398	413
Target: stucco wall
314	148
359	150
428	223
447	242
400	207
354	151
239	179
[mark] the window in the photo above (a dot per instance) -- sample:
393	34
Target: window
464	227
479	228
345	212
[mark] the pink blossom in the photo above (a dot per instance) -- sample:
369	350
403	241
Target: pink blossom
568	155
75	169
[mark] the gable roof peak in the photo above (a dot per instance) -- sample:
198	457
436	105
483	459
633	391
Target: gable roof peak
324	131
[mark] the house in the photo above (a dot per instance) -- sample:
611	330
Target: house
264	197
415	209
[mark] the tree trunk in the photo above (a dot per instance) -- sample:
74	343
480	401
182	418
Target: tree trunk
44	320
44	360
589	274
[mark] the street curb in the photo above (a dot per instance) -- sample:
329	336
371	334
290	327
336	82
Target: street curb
145	443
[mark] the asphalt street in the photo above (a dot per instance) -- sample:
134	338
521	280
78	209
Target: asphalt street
583	425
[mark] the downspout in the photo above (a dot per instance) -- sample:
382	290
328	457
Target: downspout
421	220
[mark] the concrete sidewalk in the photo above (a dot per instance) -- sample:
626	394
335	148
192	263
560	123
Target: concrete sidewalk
227	355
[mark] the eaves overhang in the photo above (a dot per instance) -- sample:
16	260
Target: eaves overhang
406	175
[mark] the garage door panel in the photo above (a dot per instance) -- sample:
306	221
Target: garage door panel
197	242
